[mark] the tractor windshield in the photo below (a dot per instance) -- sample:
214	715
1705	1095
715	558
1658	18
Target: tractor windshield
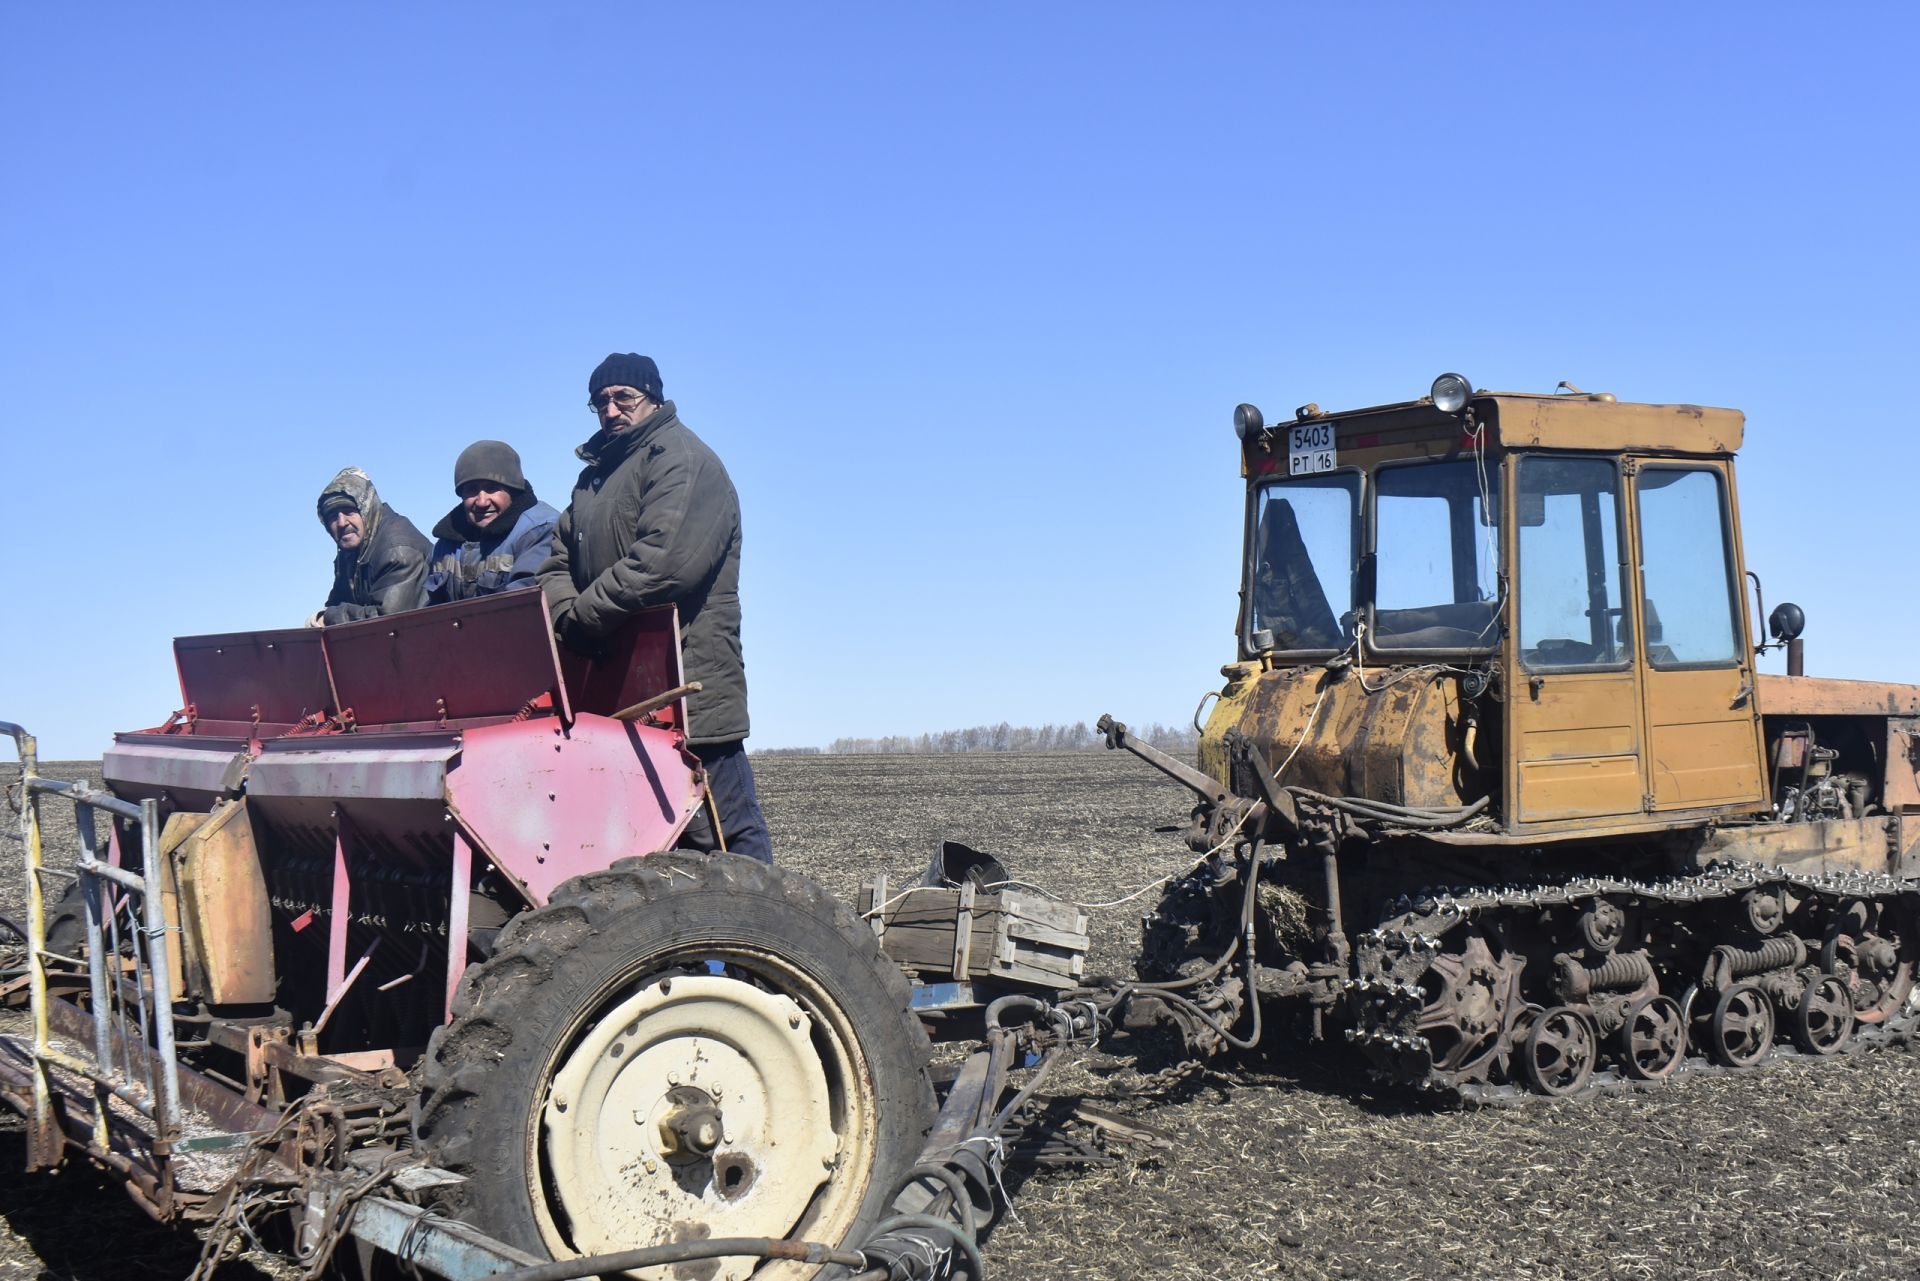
1432	582
1436	556
1305	550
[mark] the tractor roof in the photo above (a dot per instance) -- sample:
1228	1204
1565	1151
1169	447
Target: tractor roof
1513	420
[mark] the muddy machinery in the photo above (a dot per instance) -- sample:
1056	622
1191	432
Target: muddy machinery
380	948
384	951
1493	789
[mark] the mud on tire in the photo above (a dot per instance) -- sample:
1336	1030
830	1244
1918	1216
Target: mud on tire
633	1064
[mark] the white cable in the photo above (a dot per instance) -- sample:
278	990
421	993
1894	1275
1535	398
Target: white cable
1305	731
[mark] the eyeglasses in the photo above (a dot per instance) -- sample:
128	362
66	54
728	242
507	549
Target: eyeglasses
624	399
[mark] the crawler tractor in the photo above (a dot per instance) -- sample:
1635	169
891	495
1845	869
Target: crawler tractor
1493	789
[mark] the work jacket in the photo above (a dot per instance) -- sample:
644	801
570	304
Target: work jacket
384	575
655	521
468	562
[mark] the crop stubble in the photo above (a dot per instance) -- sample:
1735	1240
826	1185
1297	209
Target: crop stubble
1284	1166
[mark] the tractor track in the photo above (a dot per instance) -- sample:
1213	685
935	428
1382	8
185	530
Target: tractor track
1401	1025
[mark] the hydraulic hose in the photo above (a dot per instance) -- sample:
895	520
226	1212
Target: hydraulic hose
961	1239
954	1184
1168	991
653	1256
1400	815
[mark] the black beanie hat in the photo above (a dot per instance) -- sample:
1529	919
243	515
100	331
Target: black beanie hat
628	369
493	460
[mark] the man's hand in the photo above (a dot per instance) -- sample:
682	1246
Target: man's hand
575	636
317	619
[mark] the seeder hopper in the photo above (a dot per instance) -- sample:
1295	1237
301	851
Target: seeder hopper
380	947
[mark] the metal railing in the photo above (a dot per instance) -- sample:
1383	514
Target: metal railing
129	975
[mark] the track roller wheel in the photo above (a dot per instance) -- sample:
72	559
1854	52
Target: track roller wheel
1823	1021
1559	1052
676	1048
1740	1031
1653	1039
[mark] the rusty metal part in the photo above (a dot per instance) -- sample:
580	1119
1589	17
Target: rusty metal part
1430	1015
1727	963
223	914
1764	910
1560	1051
1823	1020
1392	742
1878	977
1740	1030
1574	982
1653	1038
1602	925
1249	760
692	1126
1179	771
1826	696
1404	962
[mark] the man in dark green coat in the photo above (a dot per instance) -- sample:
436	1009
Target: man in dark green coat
655	521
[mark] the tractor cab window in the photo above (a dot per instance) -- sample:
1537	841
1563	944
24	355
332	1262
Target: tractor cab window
1686	567
1568	511
1301	568
1436	561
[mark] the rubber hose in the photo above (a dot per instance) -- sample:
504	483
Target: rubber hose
1413	811
962	1242
954	1184
653	1256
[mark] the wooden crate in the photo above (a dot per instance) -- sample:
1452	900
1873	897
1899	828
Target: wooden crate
1014	935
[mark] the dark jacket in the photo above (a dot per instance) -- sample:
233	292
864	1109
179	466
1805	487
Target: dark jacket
507	554
384	574
654	521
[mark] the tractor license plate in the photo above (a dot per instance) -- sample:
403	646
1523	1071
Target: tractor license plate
1310	449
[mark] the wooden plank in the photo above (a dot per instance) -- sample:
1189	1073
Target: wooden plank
963	933
874	896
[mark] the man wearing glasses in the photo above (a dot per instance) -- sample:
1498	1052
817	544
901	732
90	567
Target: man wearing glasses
655	521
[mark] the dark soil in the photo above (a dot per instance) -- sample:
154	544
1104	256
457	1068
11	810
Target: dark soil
1284	1166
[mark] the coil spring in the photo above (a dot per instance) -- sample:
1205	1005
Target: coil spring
1619	972
1786	952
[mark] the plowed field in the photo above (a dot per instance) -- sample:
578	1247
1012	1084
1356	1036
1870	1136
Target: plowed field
1284	1166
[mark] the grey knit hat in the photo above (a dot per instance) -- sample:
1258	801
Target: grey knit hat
493	460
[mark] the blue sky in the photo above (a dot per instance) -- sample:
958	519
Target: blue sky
963	294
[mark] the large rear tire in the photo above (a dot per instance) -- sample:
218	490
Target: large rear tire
677	1048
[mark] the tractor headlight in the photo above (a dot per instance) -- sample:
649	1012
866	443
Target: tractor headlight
1247	422
1450	393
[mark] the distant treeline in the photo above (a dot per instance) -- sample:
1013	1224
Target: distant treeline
1003	737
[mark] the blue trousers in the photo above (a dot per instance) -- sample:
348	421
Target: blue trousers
730	782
